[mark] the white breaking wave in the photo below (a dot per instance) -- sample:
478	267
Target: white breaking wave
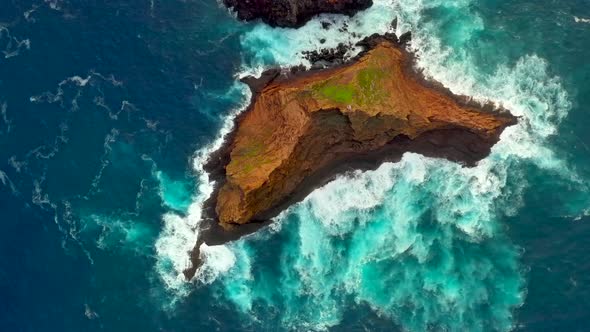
51	97
180	233
77	81
581	20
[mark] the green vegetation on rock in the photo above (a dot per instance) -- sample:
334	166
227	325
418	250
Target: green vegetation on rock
340	93
365	88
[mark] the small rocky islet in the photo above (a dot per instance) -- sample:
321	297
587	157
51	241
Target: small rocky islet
304	127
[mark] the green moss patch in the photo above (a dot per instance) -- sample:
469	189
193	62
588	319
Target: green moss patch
339	93
365	89
370	82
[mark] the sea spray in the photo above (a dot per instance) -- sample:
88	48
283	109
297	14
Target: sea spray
180	232
422	255
268	46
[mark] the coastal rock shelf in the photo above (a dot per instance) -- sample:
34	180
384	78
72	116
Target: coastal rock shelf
292	13
303	128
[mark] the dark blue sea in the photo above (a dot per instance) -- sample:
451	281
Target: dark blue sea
110	108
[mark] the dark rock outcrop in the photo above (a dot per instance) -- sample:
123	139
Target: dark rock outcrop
327	57
303	128
292	13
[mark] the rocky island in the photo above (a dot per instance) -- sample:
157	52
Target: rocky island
304	127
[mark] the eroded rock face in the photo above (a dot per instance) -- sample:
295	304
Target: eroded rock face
309	126
292	13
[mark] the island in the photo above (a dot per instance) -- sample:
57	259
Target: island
292	13
305	127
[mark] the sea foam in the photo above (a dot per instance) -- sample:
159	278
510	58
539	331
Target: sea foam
10	45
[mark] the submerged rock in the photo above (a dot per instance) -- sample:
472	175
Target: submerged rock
292	13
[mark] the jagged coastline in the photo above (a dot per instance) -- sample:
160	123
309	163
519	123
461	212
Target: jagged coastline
454	142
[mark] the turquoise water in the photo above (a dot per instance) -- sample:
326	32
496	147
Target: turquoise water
108	112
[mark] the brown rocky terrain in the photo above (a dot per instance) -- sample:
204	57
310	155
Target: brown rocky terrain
292	13
302	125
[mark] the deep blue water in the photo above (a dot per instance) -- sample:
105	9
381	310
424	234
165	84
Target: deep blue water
107	107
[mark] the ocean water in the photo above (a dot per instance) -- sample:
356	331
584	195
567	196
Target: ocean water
108	111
